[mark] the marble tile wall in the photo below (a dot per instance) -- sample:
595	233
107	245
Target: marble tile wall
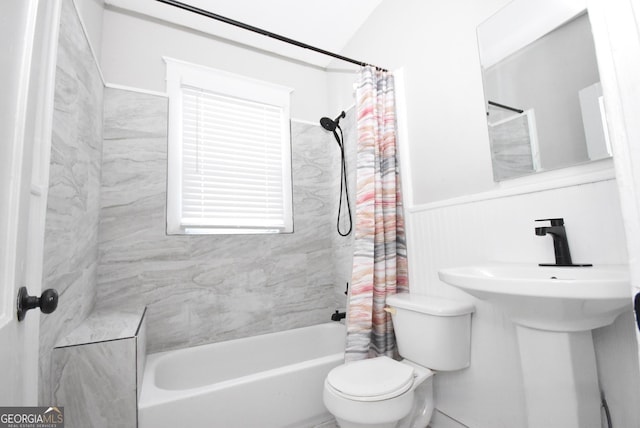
513	147
141	354
94	387
343	245
201	289
71	234
97	369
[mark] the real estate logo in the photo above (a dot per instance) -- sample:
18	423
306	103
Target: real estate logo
31	417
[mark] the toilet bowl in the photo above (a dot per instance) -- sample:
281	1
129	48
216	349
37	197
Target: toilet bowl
376	393
385	393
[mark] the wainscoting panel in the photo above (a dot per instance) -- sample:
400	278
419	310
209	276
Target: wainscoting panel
489	394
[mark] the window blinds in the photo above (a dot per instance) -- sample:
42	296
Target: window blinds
229	157
232	173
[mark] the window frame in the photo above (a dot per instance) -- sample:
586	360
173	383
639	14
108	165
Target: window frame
236	86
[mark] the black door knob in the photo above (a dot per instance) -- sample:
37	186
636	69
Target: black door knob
47	302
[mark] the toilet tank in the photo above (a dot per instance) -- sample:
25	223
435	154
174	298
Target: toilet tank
432	331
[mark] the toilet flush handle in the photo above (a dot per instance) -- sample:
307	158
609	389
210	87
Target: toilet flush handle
390	310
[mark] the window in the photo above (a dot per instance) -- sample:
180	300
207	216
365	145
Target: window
229	157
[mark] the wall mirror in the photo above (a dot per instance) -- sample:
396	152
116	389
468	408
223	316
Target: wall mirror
542	88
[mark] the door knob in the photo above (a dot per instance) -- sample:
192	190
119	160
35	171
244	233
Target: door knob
47	302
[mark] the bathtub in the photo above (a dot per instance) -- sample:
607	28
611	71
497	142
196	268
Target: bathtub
273	380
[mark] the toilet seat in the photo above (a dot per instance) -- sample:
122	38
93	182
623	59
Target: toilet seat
375	379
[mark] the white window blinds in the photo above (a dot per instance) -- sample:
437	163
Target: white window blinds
230	155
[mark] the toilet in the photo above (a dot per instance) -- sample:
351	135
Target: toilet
432	334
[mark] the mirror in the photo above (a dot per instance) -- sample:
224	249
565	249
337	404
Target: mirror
542	88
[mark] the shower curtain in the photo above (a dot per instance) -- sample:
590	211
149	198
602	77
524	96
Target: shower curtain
380	257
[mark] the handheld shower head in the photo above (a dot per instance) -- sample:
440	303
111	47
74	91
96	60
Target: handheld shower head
328	124
331	125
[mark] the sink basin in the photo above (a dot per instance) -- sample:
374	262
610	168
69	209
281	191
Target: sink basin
548	298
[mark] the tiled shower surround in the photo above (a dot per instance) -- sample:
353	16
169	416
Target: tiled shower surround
106	246
209	288
73	204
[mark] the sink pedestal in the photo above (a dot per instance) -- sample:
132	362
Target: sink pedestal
560	378
554	309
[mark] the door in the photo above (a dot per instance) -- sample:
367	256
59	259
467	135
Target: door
616	28
28	37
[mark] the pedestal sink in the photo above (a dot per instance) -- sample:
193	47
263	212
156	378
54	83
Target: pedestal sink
548	298
554	309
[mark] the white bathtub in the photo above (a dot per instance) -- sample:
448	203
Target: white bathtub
270	381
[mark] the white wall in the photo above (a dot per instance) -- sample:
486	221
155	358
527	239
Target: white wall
91	13
132	51
435	42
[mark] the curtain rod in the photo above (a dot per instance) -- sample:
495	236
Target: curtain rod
517	110
244	26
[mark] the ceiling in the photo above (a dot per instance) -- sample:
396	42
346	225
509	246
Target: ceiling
328	25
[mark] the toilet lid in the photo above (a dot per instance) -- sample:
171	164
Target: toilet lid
373	379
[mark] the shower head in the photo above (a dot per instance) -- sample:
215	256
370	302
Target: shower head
328	124
331	125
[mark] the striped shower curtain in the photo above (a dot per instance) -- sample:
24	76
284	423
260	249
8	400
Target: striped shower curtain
380	257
